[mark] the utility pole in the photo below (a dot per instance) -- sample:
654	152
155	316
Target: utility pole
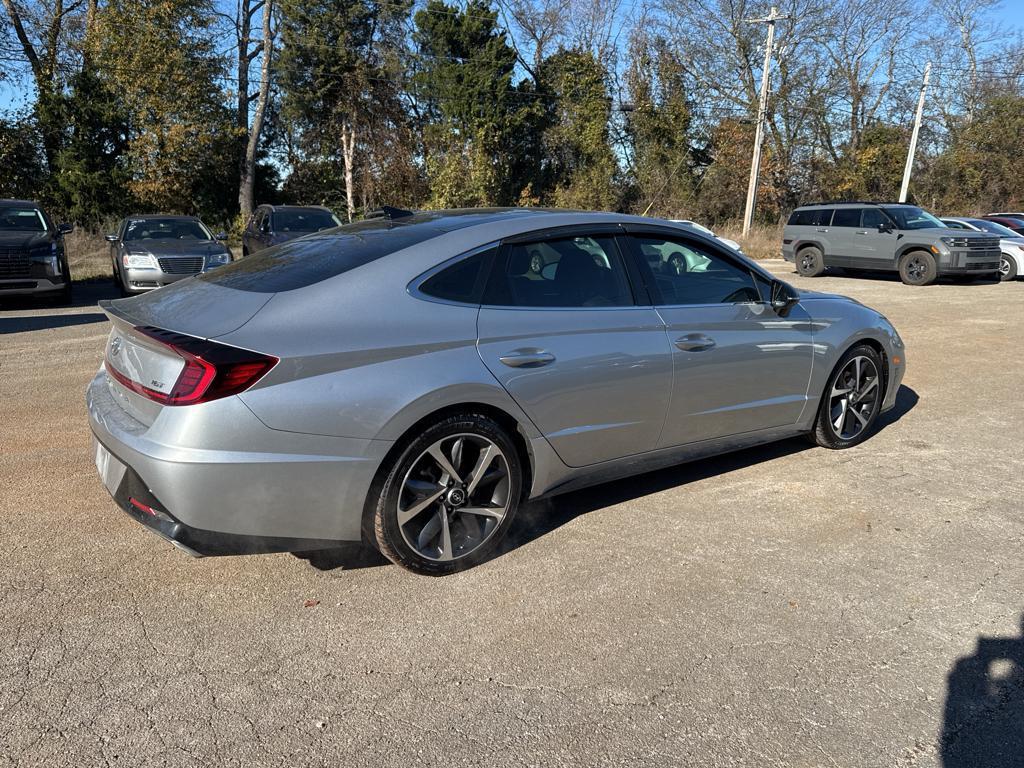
762	112
913	134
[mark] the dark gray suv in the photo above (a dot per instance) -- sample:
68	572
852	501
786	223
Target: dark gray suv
275	224
890	237
32	257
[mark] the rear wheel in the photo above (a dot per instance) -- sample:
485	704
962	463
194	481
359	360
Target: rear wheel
918	268
810	262
1007	267
852	400
449	497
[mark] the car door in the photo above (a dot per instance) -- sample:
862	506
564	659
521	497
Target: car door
872	248
562	331
843	251
738	366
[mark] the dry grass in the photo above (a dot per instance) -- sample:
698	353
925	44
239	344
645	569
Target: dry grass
88	255
763	242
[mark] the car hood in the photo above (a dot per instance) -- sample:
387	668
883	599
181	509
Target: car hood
175	247
22	239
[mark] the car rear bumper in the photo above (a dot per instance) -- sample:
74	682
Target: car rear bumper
31	286
278	491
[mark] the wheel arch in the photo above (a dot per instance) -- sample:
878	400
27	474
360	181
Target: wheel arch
512	425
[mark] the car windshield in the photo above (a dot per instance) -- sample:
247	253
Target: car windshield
994	227
21	218
166	229
304	220
912	217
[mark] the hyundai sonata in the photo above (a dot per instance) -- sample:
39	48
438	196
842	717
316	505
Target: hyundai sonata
409	380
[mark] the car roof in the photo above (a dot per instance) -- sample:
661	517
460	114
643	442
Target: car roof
295	207
148	216
855	203
12	201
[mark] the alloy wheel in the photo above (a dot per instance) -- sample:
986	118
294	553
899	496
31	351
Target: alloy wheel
854	397
1004	266
454	497
807	262
916	269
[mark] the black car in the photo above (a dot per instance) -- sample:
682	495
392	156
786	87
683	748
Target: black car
273	224
152	251
32	257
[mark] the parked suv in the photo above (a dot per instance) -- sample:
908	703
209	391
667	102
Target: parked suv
274	224
32	257
891	237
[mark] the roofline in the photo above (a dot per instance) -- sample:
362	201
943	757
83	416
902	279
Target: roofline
851	202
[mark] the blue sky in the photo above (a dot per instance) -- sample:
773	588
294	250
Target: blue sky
17	95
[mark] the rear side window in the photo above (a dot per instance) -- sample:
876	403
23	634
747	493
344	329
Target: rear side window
461	282
811	217
846	217
563	272
299	263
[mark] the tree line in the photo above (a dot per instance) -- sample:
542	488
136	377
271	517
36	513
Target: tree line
199	106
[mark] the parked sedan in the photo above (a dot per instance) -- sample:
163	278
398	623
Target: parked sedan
275	224
33	261
150	252
1011	244
410	381
1016	223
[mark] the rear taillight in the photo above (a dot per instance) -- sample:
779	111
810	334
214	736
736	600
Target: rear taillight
211	370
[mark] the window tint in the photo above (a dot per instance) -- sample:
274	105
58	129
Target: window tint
299	263
872	218
165	229
567	272
846	217
459	282
811	217
303	220
912	217
954	224
688	273
21	219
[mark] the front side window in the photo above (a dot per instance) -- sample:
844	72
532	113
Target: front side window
165	229
21	219
689	273
565	272
912	217
872	218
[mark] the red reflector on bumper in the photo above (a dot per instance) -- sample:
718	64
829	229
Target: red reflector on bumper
142	507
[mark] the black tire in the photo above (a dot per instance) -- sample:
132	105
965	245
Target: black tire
67	295
918	268
825	432
387	532
810	262
245	252
1007	267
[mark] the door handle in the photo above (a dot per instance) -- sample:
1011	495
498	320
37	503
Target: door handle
822	229
861	232
694	342
527	358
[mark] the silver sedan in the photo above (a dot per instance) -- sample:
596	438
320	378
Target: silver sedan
410	380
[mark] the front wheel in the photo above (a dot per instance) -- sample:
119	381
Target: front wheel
1007	267
852	400
918	268
449	497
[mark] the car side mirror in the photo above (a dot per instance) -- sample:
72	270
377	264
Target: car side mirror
885	227
265	227
221	236
111	238
784	297
65	229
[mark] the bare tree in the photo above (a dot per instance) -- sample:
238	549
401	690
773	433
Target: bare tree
249	49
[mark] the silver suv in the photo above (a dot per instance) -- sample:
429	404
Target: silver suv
889	237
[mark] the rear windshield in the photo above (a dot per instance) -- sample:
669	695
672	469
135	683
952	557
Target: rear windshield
303	220
21	219
299	263
993	227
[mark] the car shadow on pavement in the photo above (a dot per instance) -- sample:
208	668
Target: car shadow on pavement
539	518
983	717
46	315
348	557
44	322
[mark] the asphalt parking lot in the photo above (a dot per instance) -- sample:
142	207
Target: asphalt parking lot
786	606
